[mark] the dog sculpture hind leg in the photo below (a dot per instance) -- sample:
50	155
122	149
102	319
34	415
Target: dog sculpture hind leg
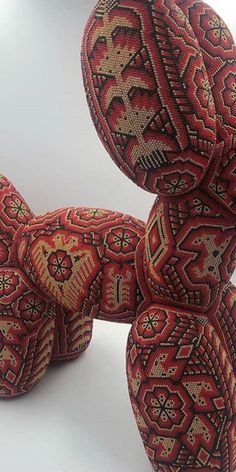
27	316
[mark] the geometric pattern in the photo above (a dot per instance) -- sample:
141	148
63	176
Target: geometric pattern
218	52
143	78
226	316
73	333
27	316
190	251
182	390
84	259
160	81
27	323
14	212
36	326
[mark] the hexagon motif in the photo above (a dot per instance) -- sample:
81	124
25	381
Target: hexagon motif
153	326
166	407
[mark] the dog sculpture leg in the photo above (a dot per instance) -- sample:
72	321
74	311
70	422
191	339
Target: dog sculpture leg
182	391
27	317
27	324
73	334
227	320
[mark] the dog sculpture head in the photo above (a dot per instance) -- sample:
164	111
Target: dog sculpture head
160	83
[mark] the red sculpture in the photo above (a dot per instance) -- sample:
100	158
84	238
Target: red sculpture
160	82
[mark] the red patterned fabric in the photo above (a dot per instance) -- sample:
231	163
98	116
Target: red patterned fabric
160	79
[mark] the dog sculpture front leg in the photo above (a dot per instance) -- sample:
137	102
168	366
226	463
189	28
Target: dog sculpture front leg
27	325
182	391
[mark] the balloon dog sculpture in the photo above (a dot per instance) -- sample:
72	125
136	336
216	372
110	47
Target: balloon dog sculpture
160	77
160	83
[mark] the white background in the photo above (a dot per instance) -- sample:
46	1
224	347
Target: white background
79	417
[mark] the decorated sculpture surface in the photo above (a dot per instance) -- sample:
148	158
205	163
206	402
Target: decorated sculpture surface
57	273
160	79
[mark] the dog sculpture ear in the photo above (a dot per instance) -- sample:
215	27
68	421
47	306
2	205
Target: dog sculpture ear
149	93
219	56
